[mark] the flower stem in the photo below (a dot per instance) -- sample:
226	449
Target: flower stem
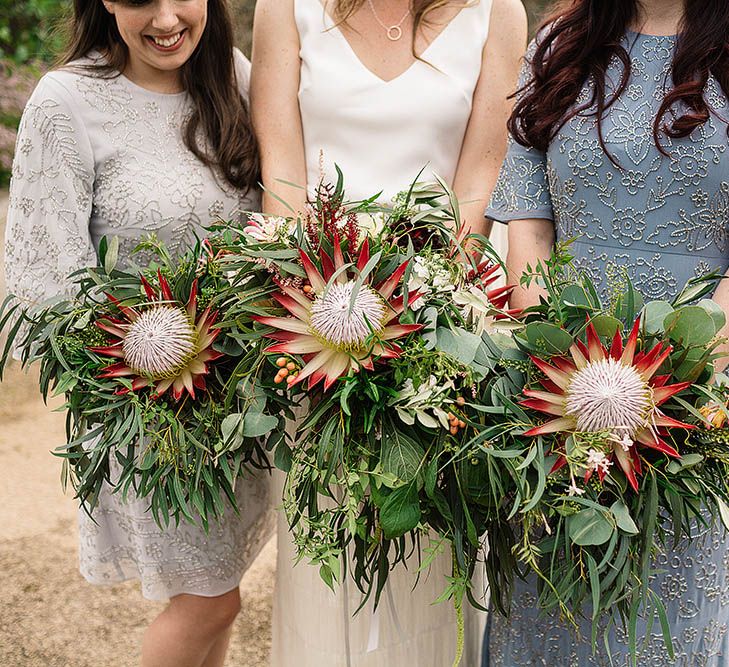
458	605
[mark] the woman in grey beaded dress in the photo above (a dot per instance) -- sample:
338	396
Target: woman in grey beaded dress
144	130
619	138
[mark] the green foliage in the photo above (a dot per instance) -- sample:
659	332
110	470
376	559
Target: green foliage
591	541
182	454
28	30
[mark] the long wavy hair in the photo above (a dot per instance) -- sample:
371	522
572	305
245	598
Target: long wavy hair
220	115
579	41
343	9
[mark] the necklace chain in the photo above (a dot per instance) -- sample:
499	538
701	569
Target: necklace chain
394	32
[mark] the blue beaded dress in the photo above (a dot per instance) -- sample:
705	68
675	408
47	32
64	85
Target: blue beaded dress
659	219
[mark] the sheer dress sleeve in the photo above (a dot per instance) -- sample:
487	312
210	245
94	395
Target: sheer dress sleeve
522	189
47	235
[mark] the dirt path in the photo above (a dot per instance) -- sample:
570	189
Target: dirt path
50	617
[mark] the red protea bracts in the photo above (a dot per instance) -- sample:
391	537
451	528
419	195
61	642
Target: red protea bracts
339	322
616	392
161	343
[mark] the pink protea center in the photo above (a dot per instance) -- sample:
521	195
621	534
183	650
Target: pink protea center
164	344
615	390
345	319
160	342
608	395
351	323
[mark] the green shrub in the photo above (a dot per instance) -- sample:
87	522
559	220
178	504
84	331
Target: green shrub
27	29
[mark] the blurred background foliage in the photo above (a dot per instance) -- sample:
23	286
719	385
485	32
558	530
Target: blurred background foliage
31	38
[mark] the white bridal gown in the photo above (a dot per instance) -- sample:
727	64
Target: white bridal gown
381	134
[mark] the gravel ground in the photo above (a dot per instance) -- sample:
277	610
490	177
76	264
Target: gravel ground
50	617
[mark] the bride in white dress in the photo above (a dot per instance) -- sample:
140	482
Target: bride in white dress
382	88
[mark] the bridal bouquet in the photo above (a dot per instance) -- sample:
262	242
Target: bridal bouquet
376	330
624	445
150	370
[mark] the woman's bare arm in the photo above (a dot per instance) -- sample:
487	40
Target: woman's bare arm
484	144
275	105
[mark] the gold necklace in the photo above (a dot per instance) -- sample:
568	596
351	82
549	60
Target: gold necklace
394	32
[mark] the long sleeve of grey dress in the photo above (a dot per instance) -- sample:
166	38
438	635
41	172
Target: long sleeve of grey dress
104	157
657	220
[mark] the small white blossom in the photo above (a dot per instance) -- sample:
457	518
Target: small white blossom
268	229
372	224
626	442
574	490
597	461
429	275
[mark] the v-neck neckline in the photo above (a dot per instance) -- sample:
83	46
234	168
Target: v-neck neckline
333	27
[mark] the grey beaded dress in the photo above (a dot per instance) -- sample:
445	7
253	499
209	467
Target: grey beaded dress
104	157
660	219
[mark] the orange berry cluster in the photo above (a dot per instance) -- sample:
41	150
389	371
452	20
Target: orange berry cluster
456	423
287	370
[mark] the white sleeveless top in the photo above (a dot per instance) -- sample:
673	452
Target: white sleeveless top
382	133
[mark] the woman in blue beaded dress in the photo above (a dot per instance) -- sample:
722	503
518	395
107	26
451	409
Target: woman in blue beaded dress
619	138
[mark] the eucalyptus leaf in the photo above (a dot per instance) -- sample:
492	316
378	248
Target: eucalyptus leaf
716	312
256	425
606	325
573	296
622	517
590	527
548	337
690	326
458	343
654	316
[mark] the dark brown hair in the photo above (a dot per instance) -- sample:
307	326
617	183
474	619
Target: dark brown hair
578	43
220	114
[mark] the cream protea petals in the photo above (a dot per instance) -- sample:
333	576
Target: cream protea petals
316	280
285	323
387	288
346	325
162	343
293	306
544	396
398	331
611	391
315	364
301	345
554	426
345	318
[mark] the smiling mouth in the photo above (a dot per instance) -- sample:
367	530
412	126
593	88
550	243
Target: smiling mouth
168	42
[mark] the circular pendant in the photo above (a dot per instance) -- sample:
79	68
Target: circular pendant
394	33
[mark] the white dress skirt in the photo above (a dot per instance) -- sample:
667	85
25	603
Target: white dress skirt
381	134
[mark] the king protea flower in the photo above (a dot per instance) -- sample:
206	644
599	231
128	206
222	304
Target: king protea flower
613	391
345	326
161	344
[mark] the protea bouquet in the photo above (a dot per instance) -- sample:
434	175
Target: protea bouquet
150	372
376	330
621	428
